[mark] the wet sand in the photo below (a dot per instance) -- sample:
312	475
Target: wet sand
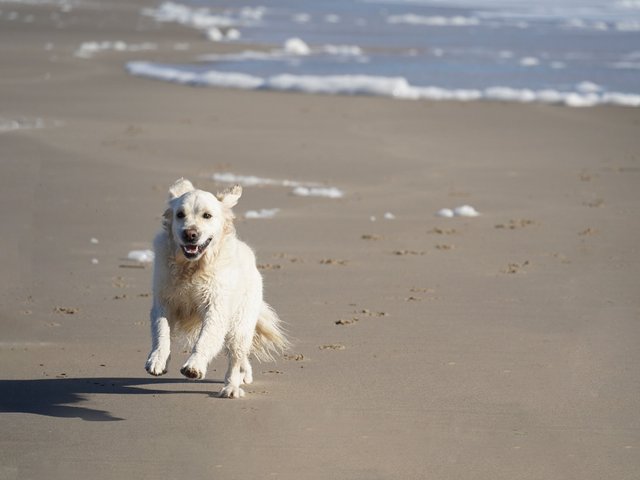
503	346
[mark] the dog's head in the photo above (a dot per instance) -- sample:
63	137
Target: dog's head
196	219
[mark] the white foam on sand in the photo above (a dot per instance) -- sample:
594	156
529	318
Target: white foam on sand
394	87
461	211
445	213
329	192
12	124
89	49
26	344
465	211
251	181
262	213
142	256
301	189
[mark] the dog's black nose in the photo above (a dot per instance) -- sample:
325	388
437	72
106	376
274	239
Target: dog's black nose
190	234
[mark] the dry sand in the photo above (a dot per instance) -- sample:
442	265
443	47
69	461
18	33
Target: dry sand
498	347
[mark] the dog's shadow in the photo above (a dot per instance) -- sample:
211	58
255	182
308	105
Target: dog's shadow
59	397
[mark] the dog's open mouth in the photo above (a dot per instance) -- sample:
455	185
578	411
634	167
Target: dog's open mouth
194	250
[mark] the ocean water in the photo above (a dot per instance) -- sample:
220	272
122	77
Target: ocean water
572	52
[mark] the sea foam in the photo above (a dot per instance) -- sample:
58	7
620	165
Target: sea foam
395	87
262	213
252	180
433	21
296	46
10	124
461	211
217	35
200	18
89	49
203	18
301	189
329	192
142	256
292	47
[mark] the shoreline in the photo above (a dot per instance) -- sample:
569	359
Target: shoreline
218	25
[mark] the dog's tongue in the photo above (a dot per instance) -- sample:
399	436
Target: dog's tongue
191	248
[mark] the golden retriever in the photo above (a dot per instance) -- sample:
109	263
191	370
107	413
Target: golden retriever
206	286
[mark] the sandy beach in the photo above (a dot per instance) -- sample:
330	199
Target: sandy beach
502	346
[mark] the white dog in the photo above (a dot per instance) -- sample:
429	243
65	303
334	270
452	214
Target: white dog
207	287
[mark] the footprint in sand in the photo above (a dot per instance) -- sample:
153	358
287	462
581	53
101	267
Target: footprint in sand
269	266
333	261
347	321
427	294
290	258
596	203
364	312
443	231
516	224
296	357
515	267
402	253
66	310
368	313
371	236
332	346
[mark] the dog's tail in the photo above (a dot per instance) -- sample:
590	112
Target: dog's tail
269	338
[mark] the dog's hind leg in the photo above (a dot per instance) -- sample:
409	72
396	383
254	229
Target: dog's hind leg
238	349
239	370
246	371
160	342
239	345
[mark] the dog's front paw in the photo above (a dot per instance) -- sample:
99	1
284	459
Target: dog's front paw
195	368
231	391
157	362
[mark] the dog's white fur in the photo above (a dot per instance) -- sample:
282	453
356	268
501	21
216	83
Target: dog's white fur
206	286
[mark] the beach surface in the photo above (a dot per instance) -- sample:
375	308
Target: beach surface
501	346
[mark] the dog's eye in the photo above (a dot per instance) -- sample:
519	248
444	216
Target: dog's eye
180	214
206	215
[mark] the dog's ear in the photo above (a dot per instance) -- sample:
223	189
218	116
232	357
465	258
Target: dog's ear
179	188
167	218
230	196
